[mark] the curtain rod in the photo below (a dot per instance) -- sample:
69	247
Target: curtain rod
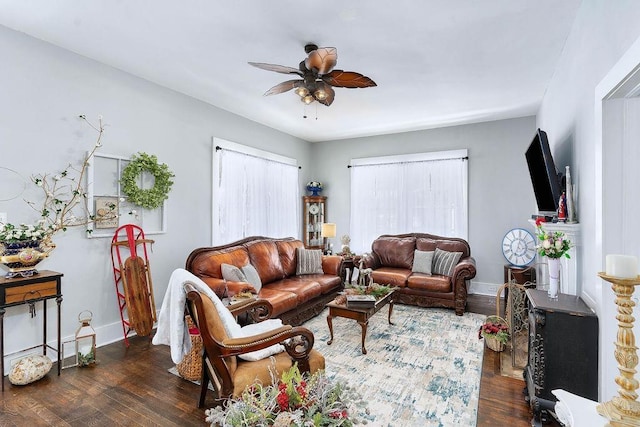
219	148
410	161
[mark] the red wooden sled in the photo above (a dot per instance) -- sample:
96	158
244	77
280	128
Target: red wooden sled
132	277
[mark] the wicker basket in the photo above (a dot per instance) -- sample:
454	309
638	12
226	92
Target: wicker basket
492	342
190	367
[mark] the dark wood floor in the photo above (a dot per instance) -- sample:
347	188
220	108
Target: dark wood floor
132	387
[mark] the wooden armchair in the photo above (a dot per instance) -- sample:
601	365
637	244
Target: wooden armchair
221	364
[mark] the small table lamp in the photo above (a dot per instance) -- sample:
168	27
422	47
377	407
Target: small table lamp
328	231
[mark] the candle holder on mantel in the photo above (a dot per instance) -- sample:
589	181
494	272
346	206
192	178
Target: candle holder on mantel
624	409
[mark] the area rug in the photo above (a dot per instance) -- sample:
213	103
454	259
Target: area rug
424	370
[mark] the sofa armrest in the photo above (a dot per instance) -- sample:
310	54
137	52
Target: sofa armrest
464	270
369	260
332	264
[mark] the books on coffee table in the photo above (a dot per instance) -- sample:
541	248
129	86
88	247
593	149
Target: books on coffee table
361	301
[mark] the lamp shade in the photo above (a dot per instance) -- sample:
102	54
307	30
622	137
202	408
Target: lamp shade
328	229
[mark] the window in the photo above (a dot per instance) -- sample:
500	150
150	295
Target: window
424	192
255	193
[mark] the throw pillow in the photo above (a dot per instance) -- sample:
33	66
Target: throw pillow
232	273
445	262
422	262
252	276
309	261
259	328
29	369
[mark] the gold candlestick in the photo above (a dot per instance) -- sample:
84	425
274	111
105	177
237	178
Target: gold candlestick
624	409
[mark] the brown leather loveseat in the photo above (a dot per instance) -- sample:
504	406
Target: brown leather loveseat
437	278
294	298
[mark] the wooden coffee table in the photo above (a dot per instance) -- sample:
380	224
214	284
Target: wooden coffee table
361	315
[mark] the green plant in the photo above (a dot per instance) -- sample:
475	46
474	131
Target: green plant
375	289
295	400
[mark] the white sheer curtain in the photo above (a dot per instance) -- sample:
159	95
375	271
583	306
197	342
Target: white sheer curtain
401	194
255	193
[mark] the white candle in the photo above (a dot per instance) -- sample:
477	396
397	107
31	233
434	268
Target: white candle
624	266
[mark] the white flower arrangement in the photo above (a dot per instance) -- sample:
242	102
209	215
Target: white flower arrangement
10	233
314	184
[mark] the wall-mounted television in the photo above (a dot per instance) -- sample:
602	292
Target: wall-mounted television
544	176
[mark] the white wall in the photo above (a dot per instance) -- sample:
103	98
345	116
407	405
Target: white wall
44	89
500	192
602	33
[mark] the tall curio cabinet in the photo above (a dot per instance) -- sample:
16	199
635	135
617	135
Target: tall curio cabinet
314	212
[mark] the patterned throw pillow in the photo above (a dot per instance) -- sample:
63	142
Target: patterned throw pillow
232	273
422	262
445	262
309	261
252	276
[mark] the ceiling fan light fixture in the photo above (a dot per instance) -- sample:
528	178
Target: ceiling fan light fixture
302	91
307	99
320	94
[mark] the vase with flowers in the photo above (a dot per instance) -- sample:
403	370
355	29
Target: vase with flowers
495	332
553	245
23	246
293	400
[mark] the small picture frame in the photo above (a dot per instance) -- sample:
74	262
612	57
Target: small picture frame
106	212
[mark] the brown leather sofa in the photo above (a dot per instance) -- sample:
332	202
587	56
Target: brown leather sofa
294	299
391	260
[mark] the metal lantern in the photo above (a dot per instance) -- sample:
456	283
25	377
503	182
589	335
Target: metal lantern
85	340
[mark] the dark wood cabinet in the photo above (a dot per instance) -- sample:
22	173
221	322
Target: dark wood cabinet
563	350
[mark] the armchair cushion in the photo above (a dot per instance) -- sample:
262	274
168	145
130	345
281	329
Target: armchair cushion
309	261
445	262
259	328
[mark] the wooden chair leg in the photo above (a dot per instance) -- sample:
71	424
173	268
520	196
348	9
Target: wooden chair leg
204	382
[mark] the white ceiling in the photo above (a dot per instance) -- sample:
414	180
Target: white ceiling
436	62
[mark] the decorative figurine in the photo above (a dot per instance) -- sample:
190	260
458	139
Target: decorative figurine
562	208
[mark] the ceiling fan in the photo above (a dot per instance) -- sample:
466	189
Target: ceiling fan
317	76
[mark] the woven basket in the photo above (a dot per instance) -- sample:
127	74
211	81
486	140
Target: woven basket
190	368
492	342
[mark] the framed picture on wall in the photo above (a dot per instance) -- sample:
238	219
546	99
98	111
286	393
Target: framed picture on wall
106	212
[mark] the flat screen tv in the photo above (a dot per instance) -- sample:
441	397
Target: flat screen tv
544	176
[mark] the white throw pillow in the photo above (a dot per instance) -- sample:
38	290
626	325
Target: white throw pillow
232	273
445	262
252	276
422	262
29	369
309	261
258	328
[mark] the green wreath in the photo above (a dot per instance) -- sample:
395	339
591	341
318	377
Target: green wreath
153	197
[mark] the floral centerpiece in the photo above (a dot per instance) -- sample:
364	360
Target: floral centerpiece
64	193
375	289
552	244
294	400
495	332
315	187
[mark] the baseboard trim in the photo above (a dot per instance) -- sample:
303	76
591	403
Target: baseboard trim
484	288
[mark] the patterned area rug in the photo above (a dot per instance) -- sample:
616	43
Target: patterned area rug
424	370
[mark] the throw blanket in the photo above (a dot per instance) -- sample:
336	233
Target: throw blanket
172	330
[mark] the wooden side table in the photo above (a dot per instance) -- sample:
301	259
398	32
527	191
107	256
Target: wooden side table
29	290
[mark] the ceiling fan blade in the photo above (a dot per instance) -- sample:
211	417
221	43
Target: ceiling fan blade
322	60
277	68
348	79
330	94
284	87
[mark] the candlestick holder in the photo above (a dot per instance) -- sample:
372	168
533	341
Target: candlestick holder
624	410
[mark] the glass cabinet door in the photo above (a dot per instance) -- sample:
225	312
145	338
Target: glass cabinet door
314	214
